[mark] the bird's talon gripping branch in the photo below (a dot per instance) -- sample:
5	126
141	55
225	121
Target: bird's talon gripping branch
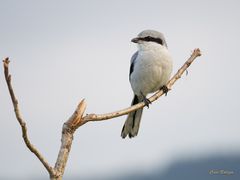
164	89
146	101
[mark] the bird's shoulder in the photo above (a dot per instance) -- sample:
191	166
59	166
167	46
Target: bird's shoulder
133	59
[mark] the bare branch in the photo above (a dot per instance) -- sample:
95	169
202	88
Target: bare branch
68	130
20	119
77	119
101	117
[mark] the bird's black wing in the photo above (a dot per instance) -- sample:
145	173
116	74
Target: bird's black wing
133	59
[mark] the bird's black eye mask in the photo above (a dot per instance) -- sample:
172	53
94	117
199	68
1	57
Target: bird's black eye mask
152	39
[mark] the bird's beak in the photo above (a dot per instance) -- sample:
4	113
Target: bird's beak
135	40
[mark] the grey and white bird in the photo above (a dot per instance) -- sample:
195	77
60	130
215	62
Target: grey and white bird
150	70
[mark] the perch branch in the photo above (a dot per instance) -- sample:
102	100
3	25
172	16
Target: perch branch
101	117
20	119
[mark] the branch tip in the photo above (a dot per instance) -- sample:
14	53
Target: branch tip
6	62
76	119
197	51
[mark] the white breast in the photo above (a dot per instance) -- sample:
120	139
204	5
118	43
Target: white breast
152	68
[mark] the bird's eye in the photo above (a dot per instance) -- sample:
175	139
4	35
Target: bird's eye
148	38
152	39
159	41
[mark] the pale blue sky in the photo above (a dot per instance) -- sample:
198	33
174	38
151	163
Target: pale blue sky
63	51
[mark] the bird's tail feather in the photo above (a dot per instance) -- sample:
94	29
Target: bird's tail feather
132	123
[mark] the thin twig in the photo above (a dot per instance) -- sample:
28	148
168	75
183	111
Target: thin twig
101	117
20	119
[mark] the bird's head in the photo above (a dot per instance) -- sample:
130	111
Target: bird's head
150	36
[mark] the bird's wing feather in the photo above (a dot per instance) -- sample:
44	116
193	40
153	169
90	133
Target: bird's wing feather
133	59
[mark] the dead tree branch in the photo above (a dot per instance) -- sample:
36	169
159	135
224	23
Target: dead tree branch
20	119
101	117
77	119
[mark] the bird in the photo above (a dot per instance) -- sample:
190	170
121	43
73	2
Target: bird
150	70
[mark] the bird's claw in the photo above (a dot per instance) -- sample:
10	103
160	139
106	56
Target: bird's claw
164	89
146	101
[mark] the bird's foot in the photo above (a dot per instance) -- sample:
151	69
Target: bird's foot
146	100
164	89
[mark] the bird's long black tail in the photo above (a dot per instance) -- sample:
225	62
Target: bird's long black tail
131	125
